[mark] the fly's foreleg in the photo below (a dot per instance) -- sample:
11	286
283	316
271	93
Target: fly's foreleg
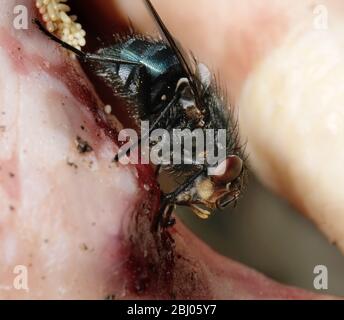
169	201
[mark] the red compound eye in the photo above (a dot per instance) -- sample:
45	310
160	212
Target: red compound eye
228	170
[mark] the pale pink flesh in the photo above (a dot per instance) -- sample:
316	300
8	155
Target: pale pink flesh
74	227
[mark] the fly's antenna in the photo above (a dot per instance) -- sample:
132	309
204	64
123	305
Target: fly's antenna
82	55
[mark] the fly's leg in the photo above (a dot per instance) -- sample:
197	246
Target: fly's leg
169	221
163	218
84	56
168	203
159	216
157	170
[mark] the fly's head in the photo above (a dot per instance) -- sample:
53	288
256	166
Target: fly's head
216	191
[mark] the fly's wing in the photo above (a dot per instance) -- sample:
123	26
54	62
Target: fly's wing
181	56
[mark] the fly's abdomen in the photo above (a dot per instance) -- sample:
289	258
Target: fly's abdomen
152	81
156	57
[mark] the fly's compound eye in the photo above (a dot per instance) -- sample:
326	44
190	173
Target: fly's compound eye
228	170
225	200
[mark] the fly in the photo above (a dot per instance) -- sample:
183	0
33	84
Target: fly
162	85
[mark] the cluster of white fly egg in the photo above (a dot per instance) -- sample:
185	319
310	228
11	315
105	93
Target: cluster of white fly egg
55	15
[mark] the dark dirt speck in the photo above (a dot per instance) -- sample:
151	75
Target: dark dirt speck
82	145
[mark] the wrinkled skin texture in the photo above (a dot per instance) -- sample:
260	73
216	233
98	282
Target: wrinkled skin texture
78	222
